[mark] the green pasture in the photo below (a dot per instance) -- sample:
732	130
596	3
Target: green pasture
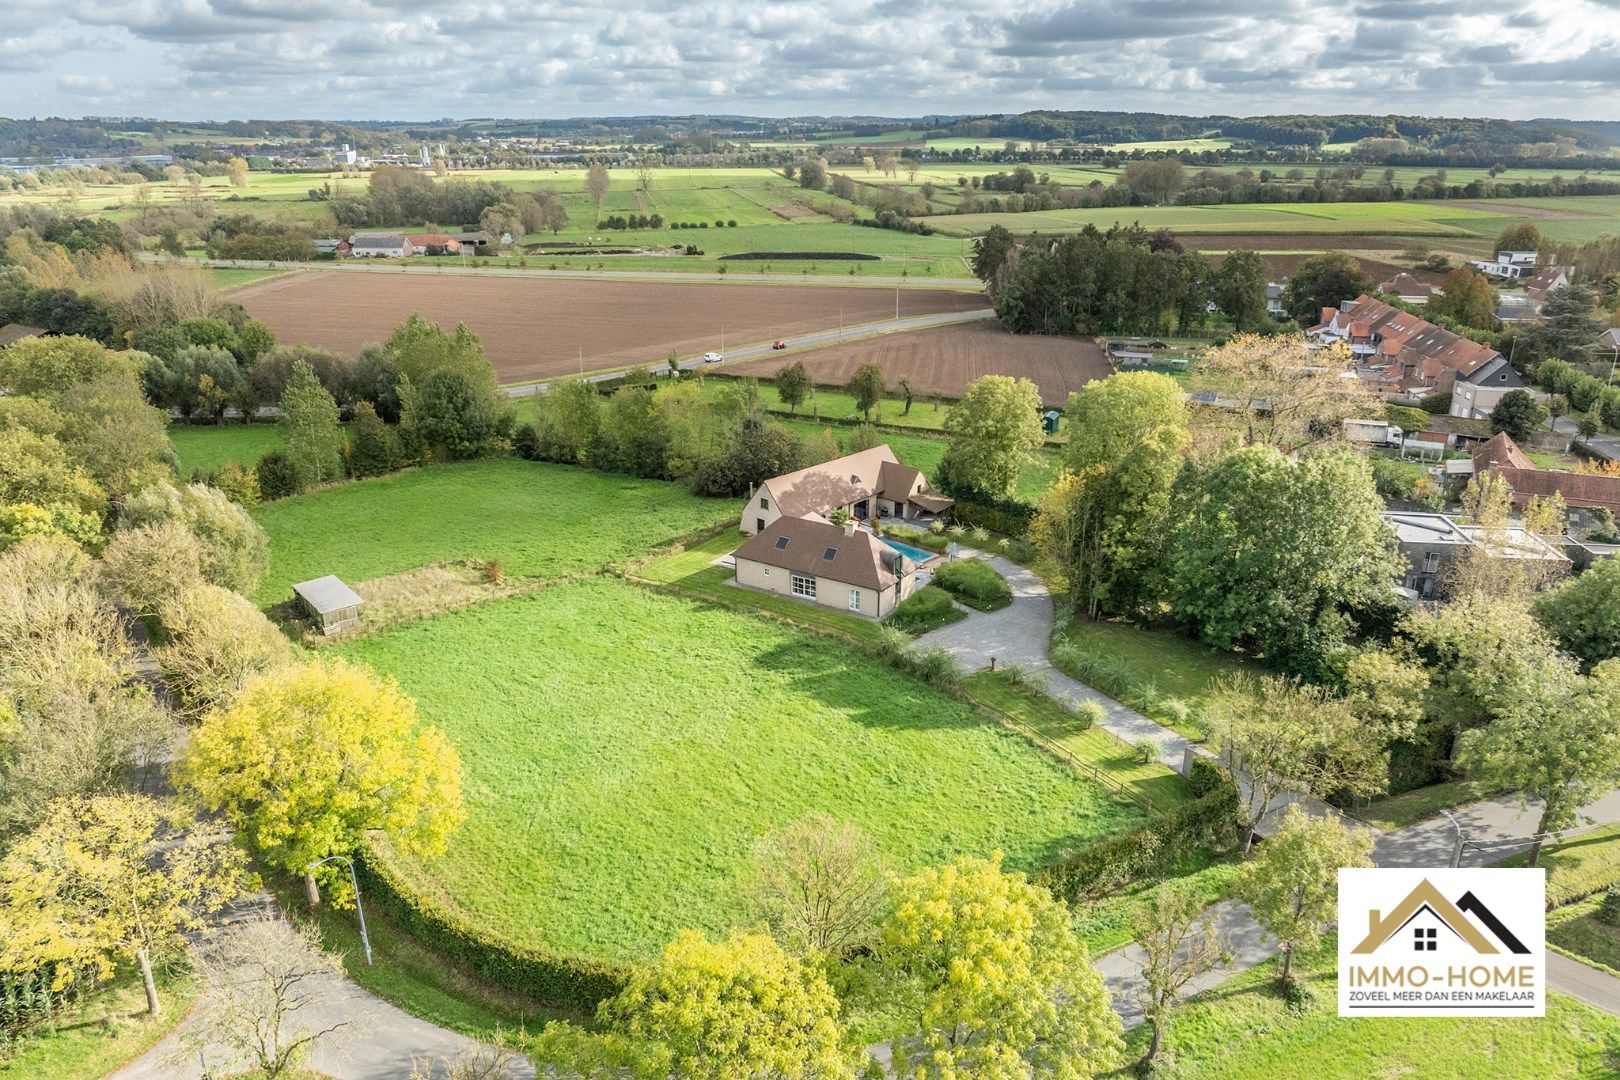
623	749
535	520
208	446
1244	1029
1410	218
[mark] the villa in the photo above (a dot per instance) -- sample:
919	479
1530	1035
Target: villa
869	483
837	566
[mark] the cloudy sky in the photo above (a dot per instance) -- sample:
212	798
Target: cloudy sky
423	59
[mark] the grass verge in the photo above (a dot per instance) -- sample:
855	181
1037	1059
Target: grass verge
1576	931
111	1030
1244	1029
1580	866
1421	804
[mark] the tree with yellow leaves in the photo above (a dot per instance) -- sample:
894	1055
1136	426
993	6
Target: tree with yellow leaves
306	760
112	878
993	983
711	1011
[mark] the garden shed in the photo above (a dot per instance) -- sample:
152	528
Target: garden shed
334	606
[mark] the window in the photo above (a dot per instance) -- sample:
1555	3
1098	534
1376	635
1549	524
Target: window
764	503
854	599
830	554
781	542
1424	939
1431	561
803	586
759	524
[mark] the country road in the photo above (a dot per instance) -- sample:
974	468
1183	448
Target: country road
763	348
367	266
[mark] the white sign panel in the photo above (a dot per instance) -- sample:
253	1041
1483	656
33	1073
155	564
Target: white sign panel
1442	942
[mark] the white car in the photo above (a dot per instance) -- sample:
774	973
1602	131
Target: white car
711	358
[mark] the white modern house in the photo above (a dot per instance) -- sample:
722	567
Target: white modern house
1511	265
380	246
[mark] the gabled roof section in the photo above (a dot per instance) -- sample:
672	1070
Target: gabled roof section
834	483
1500	451
808	545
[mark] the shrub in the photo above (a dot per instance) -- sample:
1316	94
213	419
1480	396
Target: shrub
277	475
974	582
937	668
236	551
216	641
153	565
373	446
1147	751
926	609
240	485
1090	712
1174	712
1007	517
1608	911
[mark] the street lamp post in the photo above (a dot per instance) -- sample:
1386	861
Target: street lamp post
1457	849
365	938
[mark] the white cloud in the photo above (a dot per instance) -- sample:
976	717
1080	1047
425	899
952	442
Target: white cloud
399	59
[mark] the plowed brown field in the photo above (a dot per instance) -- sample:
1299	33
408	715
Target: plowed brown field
944	359
533	328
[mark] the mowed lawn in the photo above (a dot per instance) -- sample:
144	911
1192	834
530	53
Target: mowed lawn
536	520
624	748
1244	1030
208	446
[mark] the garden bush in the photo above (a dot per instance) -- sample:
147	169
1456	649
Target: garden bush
1007	516
975	583
926	609
1090	713
278	476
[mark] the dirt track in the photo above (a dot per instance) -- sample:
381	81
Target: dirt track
537	328
945	359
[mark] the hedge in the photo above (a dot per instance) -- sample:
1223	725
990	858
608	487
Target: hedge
1150	851
547	977
975	583
1005	516
926	609
829	256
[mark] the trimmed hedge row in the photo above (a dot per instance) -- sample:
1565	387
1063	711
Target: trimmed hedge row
1006	516
1150	851
549	978
828	256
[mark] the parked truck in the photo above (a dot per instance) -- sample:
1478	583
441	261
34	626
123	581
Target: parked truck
1372	433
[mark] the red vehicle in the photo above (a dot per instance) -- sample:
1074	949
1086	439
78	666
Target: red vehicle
779	345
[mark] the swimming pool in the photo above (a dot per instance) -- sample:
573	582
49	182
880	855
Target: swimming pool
915	554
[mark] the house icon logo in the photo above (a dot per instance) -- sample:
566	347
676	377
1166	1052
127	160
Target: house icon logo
1442	942
1425	914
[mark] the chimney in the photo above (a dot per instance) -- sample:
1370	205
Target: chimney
849	527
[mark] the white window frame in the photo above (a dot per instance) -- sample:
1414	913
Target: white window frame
802	585
854	599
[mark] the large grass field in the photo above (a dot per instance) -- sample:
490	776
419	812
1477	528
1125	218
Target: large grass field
536	520
624	748
1243	1030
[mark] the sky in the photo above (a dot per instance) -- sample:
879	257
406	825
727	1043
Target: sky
426	59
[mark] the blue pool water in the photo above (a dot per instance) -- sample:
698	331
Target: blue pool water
916	555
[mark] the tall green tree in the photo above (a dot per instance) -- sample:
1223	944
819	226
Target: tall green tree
1292	886
1240	290
309	427
456	415
1178	944
1556	740
1584	613
866	384
1324	281
991	981
1467	296
793	385
1128	433
1568	328
994	429
1278	557
1519	414
1290	736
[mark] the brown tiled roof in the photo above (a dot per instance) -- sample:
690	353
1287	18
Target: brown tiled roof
1578	489
861	560
1500	451
438	239
1545	283
1404	284
834	483
897	481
